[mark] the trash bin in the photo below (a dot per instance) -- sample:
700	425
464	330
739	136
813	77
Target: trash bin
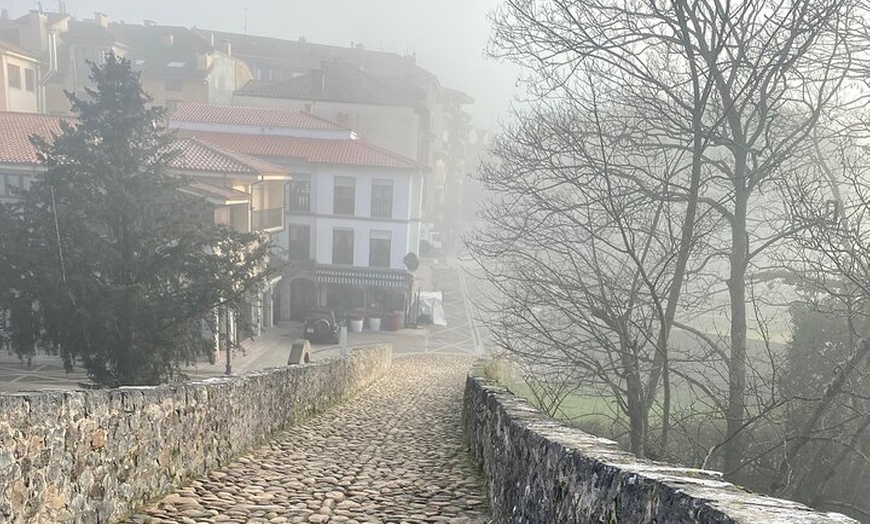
395	320
375	323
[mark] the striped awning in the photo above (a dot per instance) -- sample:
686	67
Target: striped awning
359	277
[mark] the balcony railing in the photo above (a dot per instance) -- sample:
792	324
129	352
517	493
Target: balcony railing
267	218
382	208
300	202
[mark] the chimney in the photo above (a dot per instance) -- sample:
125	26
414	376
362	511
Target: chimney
211	39
168	39
319	79
102	19
149	23
226	48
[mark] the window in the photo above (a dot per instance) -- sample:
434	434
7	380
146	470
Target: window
300	242
30	80
379	249
14	74
342	246
382	198
9	184
343	197
300	194
173	84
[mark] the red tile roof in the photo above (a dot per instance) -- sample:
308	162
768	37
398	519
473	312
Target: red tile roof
251	116
194	155
198	156
15	132
321	151
223	195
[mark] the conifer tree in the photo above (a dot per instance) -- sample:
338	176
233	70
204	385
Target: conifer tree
120	270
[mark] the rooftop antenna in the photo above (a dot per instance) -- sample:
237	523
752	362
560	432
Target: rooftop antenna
246	21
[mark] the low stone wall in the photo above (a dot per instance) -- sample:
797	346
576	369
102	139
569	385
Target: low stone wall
538	470
93	456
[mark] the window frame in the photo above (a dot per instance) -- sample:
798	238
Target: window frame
383	258
297	182
375	207
293	253
13	80
29	80
343	261
341	204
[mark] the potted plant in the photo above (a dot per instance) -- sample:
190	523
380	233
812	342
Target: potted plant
356	321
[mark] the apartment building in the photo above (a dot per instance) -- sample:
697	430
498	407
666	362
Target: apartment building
246	193
353	210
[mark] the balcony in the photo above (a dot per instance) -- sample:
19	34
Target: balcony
300	202
263	219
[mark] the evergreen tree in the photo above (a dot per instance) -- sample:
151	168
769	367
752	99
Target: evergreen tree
121	270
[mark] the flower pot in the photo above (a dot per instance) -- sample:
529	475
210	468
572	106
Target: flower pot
356	326
375	323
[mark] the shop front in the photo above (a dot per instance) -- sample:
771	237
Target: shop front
373	295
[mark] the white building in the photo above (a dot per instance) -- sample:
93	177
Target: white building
353	210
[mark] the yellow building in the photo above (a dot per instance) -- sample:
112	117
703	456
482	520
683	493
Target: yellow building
19	77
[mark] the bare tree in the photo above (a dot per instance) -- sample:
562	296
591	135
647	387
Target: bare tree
715	99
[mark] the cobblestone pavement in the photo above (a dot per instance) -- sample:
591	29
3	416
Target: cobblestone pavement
394	454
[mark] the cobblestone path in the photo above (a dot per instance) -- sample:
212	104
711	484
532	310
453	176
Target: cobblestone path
392	455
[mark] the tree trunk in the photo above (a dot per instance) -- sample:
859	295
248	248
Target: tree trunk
737	363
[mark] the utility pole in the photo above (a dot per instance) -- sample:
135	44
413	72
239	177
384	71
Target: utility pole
229	344
246	21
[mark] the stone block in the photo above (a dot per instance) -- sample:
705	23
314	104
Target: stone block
300	352
96	455
538	470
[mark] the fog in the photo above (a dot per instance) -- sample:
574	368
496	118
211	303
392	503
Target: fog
447	36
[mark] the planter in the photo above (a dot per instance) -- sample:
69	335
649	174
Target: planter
395	320
375	323
356	326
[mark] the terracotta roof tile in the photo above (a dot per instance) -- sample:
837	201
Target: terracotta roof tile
224	195
194	155
198	156
253	116
321	151
15	132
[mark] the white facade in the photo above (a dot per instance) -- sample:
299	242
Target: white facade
19	82
403	227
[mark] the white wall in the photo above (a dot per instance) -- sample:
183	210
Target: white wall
19	99
404	226
396	128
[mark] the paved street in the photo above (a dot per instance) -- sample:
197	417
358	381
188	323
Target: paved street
460	335
393	455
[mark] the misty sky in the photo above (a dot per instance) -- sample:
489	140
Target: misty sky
448	36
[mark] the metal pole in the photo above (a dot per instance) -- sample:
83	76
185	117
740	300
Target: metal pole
229	346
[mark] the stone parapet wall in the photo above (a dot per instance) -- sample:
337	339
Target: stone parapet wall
93	456
538	470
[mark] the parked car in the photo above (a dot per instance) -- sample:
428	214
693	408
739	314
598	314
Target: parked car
321	326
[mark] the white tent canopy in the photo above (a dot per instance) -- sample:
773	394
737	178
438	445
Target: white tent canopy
432	304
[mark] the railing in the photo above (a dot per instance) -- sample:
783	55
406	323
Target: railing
300	202
267	218
382	208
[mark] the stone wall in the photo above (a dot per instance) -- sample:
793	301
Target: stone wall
538	470
93	456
